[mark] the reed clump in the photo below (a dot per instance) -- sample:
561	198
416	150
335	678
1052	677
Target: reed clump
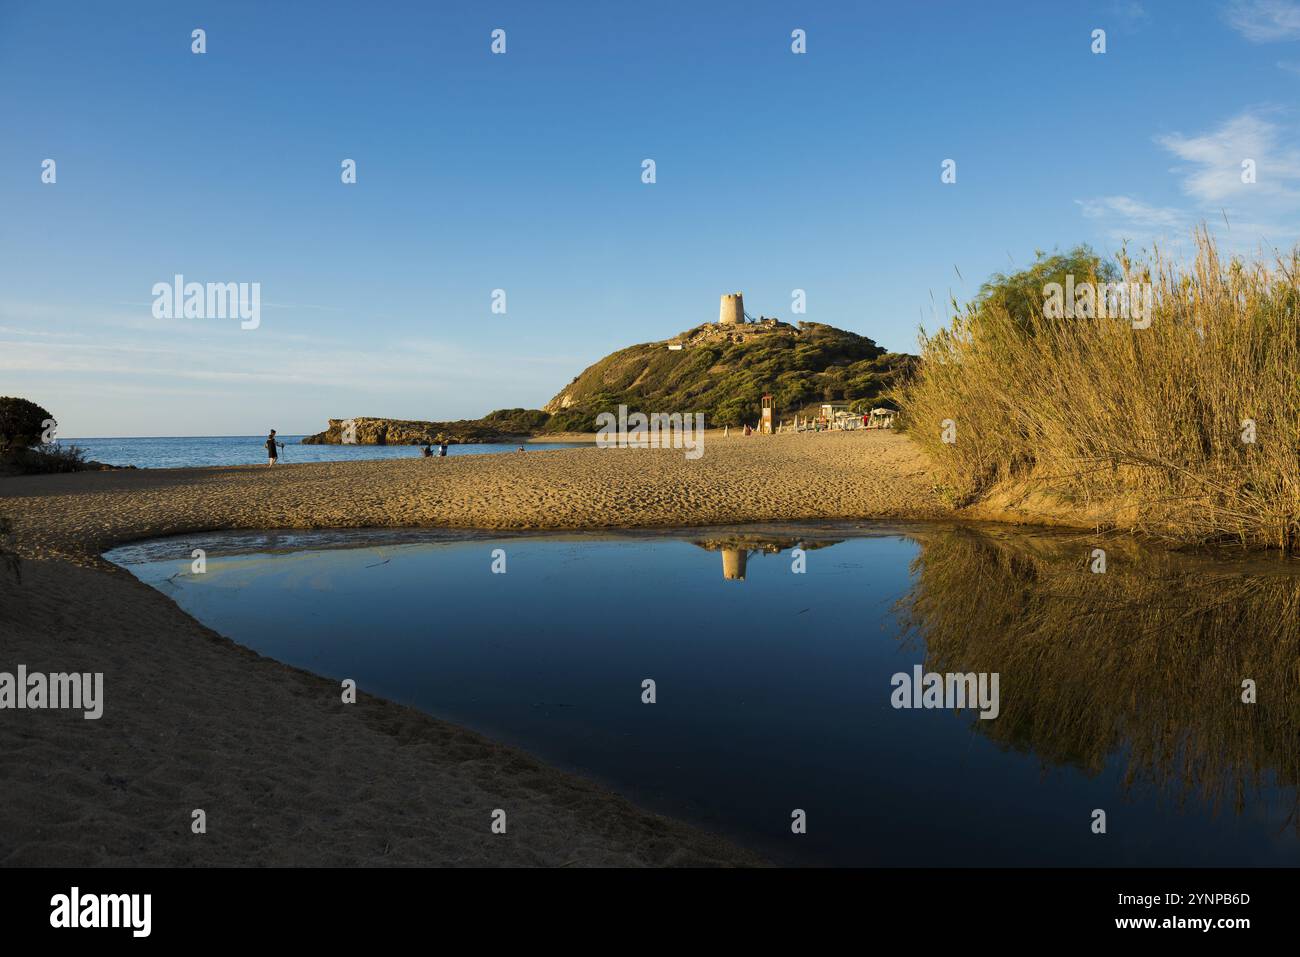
1183	424
1142	667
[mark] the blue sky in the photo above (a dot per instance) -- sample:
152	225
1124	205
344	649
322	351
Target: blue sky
522	172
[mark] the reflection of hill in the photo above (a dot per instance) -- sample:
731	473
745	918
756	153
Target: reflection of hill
736	550
1146	660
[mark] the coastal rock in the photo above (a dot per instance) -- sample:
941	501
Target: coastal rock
376	431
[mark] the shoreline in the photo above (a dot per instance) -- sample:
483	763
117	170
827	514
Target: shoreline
829	476
287	774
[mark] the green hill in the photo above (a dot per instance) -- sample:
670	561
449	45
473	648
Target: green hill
719	370
723	372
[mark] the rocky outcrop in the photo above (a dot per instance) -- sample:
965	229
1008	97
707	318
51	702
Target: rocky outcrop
364	430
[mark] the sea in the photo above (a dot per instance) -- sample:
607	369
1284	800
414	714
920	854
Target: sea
196	451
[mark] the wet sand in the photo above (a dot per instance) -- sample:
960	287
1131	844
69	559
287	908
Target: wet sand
286	773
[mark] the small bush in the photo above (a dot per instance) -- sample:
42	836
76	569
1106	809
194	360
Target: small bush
43	460
22	423
7	558
520	421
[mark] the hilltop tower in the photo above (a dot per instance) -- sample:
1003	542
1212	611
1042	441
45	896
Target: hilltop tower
732	310
733	564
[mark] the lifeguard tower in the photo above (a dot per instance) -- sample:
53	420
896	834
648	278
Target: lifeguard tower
765	423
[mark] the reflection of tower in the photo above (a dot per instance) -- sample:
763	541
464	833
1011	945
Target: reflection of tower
733	564
731	312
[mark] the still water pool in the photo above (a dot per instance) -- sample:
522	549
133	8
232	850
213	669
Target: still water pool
775	690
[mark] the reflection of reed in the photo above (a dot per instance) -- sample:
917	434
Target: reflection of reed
1145	661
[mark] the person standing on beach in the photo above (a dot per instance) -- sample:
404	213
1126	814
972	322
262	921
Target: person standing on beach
271	443
442	449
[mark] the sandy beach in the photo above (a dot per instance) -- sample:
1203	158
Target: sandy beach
737	479
287	774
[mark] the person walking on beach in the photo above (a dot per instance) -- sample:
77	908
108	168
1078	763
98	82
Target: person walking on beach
271	443
442	449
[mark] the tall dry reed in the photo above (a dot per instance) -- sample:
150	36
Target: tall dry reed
1148	421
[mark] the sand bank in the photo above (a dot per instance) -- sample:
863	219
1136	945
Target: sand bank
737	479
288	775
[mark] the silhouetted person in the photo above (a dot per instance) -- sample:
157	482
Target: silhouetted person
271	444
427	451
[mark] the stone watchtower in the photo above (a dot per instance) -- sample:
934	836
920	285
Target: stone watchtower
733	564
732	310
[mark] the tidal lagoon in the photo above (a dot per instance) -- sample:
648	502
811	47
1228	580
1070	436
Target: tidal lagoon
733	677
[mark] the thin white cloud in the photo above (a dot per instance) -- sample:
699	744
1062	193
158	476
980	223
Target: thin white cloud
1251	214
1132	210
1216	158
302	305
70	342
15	331
1130	12
1265	21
